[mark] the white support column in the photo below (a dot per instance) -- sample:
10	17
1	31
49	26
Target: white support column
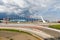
43	19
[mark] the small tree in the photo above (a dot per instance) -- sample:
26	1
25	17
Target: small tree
58	21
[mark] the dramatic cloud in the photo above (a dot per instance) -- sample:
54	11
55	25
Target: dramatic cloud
33	8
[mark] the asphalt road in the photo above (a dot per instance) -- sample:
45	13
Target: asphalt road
49	31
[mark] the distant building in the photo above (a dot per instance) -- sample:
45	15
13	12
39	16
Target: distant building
17	20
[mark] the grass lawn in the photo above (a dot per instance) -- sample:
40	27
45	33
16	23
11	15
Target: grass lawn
20	31
14	30
55	26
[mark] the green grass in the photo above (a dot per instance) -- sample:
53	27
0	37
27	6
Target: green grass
55	26
20	31
13	30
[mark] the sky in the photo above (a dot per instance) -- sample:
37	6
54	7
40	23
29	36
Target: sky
48	9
